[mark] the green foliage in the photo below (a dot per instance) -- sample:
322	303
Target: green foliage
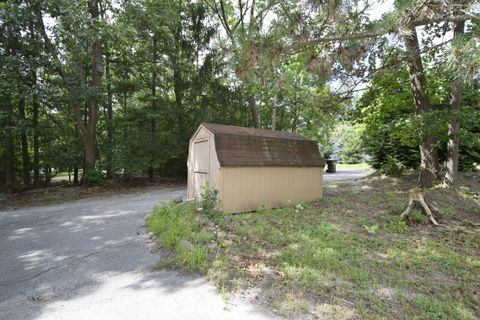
172	223
166	68
210	202
94	177
418	216
372	229
397	225
196	259
156	103
393	131
390	136
352	148
442	310
321	251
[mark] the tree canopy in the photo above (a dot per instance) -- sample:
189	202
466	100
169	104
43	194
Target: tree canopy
114	89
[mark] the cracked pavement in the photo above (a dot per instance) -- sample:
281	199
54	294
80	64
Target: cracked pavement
91	259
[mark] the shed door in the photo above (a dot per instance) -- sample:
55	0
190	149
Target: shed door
201	164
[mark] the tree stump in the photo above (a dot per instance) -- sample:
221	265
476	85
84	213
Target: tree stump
416	199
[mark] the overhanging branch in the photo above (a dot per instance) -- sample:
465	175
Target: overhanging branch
409	25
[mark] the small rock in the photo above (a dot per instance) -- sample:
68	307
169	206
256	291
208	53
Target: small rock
186	245
232	236
227	242
178	200
213	245
220	235
38	298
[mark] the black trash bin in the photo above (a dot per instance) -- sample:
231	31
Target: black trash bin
331	165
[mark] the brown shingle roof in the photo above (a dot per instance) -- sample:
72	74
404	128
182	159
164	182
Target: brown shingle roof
239	146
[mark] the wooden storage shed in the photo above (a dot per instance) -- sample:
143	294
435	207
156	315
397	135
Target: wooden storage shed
252	167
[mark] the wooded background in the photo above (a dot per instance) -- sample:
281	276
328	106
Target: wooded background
114	89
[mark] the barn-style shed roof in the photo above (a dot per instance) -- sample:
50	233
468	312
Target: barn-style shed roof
239	146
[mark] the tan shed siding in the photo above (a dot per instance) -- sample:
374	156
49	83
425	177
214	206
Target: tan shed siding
246	188
214	165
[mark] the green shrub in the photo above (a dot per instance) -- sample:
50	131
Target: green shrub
352	148
417	216
397	225
175	222
196	259
172	223
93	177
446	213
209	200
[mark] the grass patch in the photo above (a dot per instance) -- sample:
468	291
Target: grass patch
347	256
449	310
179	228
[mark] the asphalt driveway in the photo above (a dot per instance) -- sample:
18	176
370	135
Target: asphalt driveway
346	174
91	259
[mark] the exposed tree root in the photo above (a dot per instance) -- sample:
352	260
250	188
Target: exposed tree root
416	199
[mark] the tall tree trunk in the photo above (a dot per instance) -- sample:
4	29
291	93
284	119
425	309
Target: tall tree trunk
274	113
75	175
35	106
89	128
24	142
9	149
154	102
428	151
125	132
178	81
36	143
295	114
96	70
253	109
109	117
7	125
178	89
48	174
89	142
453	144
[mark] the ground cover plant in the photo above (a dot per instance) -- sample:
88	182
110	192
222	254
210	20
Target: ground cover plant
348	256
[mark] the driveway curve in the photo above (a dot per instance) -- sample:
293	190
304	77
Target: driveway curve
346	174
92	259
